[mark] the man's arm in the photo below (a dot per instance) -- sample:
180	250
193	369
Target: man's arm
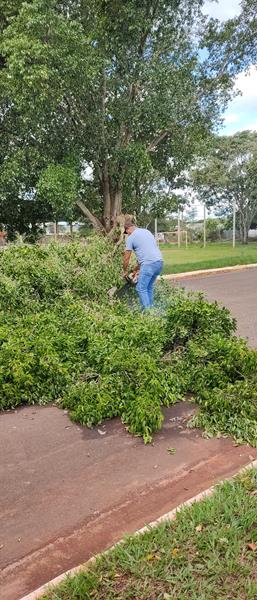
126	259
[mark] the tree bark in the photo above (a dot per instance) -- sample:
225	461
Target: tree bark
243	226
245	233
92	218
116	204
106	197
153	145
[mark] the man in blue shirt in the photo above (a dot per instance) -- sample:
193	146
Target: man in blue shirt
149	260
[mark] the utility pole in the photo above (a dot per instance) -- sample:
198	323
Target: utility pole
204	225
234	224
156	230
178	228
55	230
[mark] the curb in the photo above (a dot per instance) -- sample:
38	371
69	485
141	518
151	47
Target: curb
169	516
208	271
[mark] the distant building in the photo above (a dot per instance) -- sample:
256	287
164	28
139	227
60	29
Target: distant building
64	228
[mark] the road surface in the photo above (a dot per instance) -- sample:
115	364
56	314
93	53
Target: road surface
235	289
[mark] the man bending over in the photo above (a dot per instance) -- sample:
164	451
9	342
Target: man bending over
149	260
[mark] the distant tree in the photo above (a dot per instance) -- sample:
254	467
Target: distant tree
191	214
228	174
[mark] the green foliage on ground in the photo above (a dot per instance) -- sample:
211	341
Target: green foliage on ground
63	340
207	552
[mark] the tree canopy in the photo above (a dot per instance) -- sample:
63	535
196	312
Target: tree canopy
235	41
228	174
117	89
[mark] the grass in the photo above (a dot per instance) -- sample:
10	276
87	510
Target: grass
208	553
180	260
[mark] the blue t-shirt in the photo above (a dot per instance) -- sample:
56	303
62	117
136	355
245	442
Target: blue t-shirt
144	245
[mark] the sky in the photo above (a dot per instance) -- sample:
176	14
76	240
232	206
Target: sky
242	110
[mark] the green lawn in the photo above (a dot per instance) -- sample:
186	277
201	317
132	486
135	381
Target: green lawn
179	260
208	553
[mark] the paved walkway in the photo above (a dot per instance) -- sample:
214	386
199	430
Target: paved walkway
69	492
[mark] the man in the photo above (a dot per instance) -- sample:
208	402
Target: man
149	261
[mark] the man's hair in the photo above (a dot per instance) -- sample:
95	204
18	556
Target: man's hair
129	222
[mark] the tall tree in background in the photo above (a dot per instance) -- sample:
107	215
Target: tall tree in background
234	43
114	87
229	174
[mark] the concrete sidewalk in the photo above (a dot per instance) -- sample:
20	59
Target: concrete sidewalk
69	492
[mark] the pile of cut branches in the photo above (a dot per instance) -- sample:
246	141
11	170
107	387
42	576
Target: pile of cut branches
61	340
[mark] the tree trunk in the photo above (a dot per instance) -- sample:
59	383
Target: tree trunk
111	193
243	226
116	205
245	234
112	199
106	198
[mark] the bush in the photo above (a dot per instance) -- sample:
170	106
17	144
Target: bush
61	340
37	271
45	273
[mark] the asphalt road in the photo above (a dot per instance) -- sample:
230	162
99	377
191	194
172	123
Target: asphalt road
235	289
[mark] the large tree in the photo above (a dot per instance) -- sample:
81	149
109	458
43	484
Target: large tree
112	86
233	43
228	175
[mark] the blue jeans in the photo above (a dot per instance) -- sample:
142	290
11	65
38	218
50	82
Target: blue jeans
147	276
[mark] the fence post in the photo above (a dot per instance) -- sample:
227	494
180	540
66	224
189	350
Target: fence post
178	228
156	230
234	224
204	225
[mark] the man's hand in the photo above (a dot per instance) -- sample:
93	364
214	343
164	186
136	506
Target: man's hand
136	270
126	259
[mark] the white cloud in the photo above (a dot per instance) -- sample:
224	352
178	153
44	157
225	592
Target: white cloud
230	129
242	111
252	126
231	118
246	83
223	9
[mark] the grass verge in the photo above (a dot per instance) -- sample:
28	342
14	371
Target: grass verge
209	552
180	260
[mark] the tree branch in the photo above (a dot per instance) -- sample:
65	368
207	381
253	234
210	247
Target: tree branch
73	120
146	33
133	88
92	218
157	140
